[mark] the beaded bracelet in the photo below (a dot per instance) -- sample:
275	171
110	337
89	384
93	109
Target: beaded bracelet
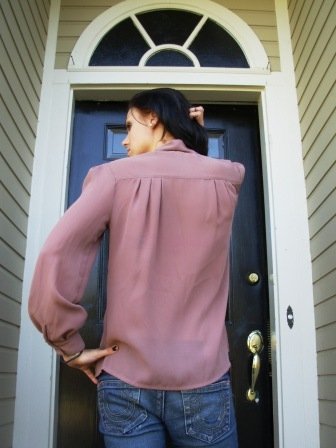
75	356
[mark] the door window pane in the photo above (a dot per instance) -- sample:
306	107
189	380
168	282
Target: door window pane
216	144
169	58
169	26
214	47
122	45
129	40
113	142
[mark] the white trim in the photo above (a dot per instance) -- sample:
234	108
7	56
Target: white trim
196	30
234	25
163	47
294	363
142	30
299	361
106	77
266	149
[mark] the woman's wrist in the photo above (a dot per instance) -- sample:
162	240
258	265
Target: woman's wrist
67	359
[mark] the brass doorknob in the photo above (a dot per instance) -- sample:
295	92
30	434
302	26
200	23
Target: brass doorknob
251	393
255	344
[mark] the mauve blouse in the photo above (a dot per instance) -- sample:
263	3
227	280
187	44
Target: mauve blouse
169	214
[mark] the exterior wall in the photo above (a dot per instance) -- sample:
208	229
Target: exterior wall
76	15
22	46
313	26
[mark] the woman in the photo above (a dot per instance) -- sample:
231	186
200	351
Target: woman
163	366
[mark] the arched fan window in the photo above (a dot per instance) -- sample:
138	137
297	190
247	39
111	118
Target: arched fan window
168	38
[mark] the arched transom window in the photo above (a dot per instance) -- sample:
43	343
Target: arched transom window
168	37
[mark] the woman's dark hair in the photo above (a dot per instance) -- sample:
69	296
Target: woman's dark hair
172	109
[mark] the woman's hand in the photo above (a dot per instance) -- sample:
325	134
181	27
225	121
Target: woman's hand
87	360
197	113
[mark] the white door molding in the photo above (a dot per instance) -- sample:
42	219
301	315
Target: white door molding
234	25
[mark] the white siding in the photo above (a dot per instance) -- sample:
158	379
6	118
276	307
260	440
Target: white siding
23	36
77	14
313	27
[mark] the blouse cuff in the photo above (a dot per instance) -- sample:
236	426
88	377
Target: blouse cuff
72	345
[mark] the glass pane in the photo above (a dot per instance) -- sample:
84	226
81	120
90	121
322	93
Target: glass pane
168	26
167	58
214	47
113	144
123	45
216	144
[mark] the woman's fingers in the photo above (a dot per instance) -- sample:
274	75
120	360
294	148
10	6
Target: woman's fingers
88	372
197	113
88	359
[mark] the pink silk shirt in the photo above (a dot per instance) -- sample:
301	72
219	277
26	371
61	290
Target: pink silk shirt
170	215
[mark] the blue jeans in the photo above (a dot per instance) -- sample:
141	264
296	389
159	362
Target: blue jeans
144	418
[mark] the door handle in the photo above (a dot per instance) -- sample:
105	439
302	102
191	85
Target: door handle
255	345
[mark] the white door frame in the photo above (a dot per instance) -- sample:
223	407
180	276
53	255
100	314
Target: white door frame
289	266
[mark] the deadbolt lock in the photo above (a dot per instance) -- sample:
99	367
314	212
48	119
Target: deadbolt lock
253	278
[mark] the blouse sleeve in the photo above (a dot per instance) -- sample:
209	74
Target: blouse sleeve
64	264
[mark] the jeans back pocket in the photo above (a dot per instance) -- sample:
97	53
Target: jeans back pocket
119	408
208	411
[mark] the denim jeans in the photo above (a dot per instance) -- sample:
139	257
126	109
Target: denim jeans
144	418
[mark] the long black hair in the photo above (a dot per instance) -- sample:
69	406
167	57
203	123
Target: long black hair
172	110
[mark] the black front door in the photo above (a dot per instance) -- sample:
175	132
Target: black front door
234	134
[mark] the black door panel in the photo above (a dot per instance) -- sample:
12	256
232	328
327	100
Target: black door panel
234	134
